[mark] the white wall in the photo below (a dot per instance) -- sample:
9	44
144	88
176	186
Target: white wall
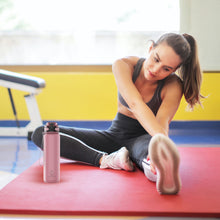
201	18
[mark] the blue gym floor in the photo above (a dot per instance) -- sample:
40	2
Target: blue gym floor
17	154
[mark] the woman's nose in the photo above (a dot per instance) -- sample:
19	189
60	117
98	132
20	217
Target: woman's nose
156	69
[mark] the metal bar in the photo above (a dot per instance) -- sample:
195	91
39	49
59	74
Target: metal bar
13	108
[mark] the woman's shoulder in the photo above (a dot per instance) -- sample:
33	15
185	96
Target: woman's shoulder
173	86
173	83
173	79
124	65
131	61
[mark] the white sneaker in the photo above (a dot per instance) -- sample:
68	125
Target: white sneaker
118	160
165	157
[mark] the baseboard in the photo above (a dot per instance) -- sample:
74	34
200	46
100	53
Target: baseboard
195	125
187	132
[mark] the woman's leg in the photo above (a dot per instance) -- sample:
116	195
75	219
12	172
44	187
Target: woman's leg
138	149
76	144
164	156
87	146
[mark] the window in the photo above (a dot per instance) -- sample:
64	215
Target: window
68	32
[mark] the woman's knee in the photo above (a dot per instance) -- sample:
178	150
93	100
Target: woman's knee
37	136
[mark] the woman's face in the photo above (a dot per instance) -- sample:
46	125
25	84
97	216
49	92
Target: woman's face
161	63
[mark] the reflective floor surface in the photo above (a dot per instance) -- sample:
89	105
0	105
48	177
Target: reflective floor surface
17	154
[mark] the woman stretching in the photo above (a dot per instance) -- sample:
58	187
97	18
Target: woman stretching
149	93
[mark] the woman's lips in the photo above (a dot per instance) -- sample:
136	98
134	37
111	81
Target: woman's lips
151	74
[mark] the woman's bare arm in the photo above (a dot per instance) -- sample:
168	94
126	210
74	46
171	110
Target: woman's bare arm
123	69
171	97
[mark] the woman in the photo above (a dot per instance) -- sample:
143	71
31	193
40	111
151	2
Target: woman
149	96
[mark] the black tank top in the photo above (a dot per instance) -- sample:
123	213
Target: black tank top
156	100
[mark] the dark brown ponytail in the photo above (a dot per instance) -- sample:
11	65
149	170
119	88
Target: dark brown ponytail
189	70
191	75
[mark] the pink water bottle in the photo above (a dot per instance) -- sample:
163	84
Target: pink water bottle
51	156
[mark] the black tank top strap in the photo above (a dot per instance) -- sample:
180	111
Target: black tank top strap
156	100
137	69
159	88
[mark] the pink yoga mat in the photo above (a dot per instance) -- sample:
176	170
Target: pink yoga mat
87	190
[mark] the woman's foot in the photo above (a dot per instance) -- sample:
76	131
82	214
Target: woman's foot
164	156
118	160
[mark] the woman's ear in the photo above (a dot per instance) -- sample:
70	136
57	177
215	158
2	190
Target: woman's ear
150	46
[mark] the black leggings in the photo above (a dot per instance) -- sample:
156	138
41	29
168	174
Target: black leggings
87	145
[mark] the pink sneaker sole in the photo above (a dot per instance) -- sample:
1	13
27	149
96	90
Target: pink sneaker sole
165	157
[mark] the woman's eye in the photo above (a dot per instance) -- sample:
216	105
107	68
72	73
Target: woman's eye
156	60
